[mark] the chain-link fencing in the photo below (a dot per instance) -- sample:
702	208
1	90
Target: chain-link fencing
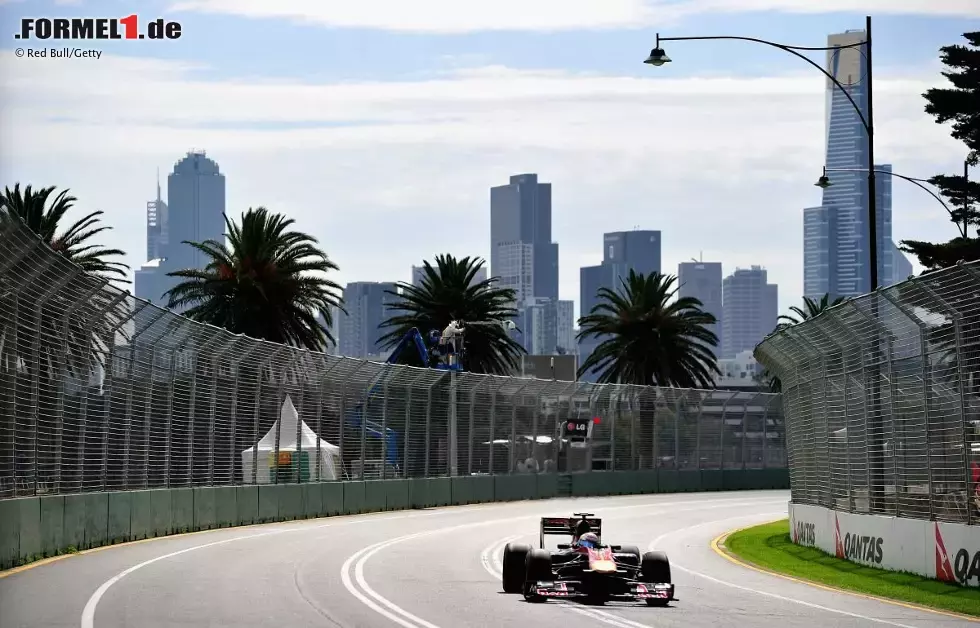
882	400
101	391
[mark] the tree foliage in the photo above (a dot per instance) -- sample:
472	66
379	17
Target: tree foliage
47	220
811	309
647	339
448	292
267	282
959	106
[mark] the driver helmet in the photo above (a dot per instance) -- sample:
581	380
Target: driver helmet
589	539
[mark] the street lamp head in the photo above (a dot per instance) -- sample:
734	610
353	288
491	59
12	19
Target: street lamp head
823	182
657	57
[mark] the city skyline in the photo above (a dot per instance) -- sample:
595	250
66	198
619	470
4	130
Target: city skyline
193	212
362	151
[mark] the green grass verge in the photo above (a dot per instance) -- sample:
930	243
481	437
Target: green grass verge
769	546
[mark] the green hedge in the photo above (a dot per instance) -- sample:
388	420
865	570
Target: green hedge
32	528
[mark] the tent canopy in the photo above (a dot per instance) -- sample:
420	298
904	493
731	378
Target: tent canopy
285	430
291	435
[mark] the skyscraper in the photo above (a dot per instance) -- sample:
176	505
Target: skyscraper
156	226
836	234
622	251
359	329
751	309
547	326
702	281
520	214
194	212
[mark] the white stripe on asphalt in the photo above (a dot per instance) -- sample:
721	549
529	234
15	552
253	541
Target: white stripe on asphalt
88	613
372	598
656	542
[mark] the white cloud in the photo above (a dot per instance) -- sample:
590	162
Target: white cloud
449	16
721	165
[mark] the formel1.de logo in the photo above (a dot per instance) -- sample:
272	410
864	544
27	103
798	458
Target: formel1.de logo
88	28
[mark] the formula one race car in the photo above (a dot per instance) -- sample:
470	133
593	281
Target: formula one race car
585	569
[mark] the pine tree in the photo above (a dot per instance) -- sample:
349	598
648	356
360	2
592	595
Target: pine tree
959	104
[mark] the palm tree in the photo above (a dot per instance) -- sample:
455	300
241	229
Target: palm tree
648	340
32	207
810	309
266	283
58	349
447	293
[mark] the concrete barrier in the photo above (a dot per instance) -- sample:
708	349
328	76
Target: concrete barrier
32	528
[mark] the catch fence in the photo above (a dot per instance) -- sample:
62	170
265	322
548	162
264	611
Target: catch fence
882	400
100	391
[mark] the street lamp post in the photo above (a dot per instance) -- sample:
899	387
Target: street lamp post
824	182
658	58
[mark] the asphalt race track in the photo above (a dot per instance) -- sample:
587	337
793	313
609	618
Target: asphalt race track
427	569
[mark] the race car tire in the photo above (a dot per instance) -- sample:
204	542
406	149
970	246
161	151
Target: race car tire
537	567
514	566
634	551
655	568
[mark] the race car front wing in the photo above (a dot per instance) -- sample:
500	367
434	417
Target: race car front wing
574	589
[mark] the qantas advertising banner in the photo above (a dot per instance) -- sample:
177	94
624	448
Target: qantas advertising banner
946	551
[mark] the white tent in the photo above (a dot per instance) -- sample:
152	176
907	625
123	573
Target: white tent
290	451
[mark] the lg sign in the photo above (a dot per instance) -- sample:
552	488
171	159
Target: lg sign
576	428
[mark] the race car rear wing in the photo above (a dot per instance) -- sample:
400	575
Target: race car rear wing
565	526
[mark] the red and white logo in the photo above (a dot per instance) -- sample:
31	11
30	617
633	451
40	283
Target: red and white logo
838	543
944	570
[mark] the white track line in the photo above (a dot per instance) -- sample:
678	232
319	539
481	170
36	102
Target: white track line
656	542
88	613
375	601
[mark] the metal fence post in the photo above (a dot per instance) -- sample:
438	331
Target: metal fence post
200	350
697	431
257	406
280	375
513	426
428	424
408	419
130	385
35	368
678	409
83	415
171	392
633	403
59	410
879	331
384	426
765	431
745	428
613	423
493	427
724	426
470	438
108	387
216	358
961	384
236	361
324	379
343	412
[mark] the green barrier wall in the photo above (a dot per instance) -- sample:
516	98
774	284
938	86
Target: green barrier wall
32	528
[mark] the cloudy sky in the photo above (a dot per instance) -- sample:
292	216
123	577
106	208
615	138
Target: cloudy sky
380	125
